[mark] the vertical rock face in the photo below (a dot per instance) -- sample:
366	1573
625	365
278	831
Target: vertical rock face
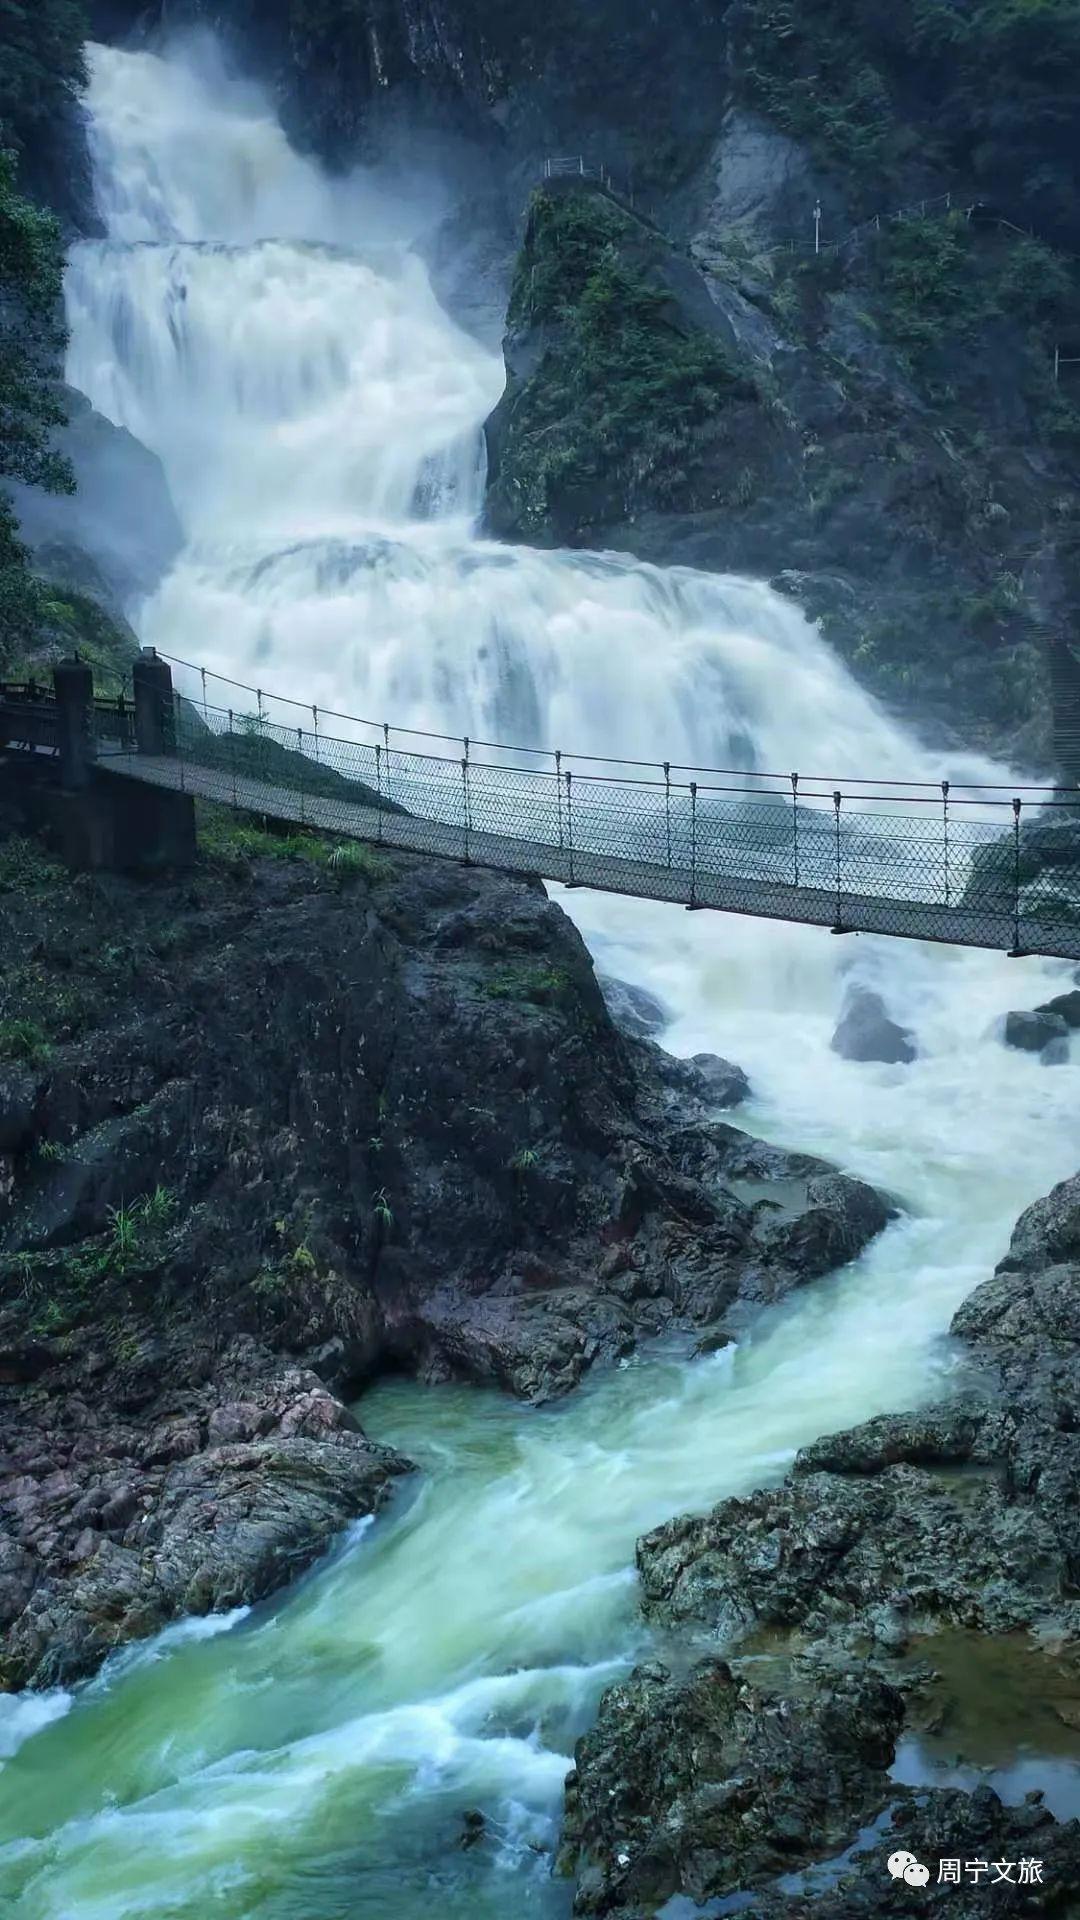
289	1122
642	84
625	395
121	517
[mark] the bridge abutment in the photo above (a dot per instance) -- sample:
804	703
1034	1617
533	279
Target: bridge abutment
73	685
93	817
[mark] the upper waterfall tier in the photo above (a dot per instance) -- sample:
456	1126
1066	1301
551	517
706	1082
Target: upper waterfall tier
268	333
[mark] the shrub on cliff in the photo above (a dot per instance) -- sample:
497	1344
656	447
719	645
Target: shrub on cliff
41	63
31	345
985	95
627	386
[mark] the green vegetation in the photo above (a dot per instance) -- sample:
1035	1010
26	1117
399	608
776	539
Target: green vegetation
24	1042
62	1287
985	92
41	71
41	63
25	867
941	280
32	341
627	385
544	986
228	840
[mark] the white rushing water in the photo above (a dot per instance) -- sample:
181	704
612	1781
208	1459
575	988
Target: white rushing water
275	339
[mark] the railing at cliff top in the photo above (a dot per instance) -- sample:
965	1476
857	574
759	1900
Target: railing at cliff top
975	865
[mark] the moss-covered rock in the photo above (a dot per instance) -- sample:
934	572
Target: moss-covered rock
623	389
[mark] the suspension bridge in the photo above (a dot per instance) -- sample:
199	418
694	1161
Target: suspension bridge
972	866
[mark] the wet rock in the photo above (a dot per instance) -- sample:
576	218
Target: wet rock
240	1421
825	1548
840	1217
935	1826
866	1032
173	1440
933	1437
1047	1233
703	1081
959	1516
759	179
721	1083
121	515
1065	1005
701	1785
635	1009
214	1530
1032	1032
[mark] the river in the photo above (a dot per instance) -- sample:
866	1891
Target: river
274	337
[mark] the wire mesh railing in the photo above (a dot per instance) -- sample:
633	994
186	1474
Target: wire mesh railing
985	866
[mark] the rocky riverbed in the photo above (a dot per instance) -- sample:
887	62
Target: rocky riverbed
830	1593
280	1125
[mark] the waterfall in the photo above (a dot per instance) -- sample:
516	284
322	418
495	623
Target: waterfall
274	338
319	419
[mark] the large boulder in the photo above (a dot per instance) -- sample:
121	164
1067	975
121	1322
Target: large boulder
115	1530
866	1032
699	1785
1046	1233
1066	1006
1035	1031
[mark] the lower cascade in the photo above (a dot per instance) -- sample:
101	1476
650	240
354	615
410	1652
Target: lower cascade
274	339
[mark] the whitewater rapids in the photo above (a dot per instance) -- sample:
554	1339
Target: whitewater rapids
274	337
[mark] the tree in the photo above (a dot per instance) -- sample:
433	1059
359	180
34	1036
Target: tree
32	340
41	64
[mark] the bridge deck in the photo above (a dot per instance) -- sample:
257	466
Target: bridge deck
978	926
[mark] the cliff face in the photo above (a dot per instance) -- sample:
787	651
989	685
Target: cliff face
639	80
290	1120
878	430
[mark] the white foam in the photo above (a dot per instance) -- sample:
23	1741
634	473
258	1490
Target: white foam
22	1715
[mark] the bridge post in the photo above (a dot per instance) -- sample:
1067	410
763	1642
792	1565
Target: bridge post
73	683
692	903
466	805
155	730
838	925
1016	951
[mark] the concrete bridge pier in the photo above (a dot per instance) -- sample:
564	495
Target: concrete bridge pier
155	712
92	815
73	684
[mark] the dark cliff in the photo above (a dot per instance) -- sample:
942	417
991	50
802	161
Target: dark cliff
281	1124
